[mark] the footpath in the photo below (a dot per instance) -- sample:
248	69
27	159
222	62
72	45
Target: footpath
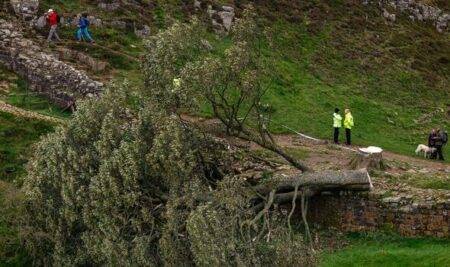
7	108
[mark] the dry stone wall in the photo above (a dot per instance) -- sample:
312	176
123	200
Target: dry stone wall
46	75
370	212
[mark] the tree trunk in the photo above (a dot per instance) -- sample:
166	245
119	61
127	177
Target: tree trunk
356	180
369	159
312	184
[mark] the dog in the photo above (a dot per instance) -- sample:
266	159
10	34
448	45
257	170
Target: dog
426	150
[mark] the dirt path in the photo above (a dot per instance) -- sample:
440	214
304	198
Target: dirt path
324	155
288	141
5	107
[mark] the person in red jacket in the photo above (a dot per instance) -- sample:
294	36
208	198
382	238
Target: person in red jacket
52	20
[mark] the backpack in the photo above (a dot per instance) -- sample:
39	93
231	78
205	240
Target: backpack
41	22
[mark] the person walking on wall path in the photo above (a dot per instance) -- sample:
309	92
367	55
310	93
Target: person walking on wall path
83	29
52	20
337	124
440	140
348	124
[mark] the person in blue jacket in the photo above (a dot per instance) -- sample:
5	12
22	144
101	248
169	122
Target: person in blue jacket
83	29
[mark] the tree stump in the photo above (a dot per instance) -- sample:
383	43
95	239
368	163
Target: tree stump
370	158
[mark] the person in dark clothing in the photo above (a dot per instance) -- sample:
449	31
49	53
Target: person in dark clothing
83	29
439	140
431	142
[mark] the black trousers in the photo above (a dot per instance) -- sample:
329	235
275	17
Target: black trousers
348	136
439	152
336	135
434	154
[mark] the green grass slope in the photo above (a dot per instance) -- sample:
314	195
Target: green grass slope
15	91
383	250
12	252
17	135
394	77
325	54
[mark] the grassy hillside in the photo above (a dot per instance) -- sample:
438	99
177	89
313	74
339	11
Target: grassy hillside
389	75
394	77
11	251
388	250
385	103
17	136
14	91
326	54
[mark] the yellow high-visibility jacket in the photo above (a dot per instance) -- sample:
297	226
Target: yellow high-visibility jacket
337	120
348	121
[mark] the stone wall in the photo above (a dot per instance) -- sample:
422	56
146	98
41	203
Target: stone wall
372	211
415	11
46	75
93	64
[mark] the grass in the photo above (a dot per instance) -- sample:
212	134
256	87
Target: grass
118	47
420	180
17	135
16	93
383	103
11	251
394	107
314	69
389	250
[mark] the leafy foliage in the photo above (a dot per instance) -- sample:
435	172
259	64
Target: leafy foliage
96	189
224	231
128	182
168	53
232	86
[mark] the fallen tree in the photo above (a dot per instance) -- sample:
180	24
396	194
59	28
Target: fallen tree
307	185
128	182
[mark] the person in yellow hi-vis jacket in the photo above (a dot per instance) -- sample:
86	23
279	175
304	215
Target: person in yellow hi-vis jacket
337	124
348	124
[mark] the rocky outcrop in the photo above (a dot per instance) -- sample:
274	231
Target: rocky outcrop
25	9
415	11
222	17
93	64
142	31
59	82
109	5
